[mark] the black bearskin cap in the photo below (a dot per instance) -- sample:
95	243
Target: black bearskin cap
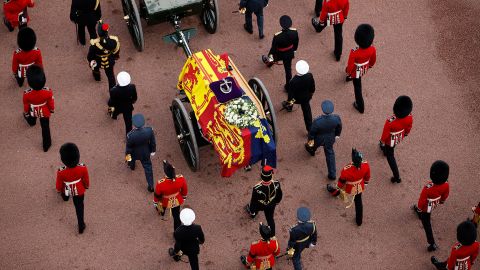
169	170
439	172
466	233
267	173
70	155
265	232
403	106
36	77
26	39
357	158
364	35
285	22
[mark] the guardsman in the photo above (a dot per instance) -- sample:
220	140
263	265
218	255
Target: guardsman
262	252
73	180
26	54
103	52
265	197
16	14
325	130
170	193
476	214
354	177
141	145
122	98
360	60
38	103
85	13
464	252
396	128
188	238
284	46
303	235
334	12
253	6
435	192
300	91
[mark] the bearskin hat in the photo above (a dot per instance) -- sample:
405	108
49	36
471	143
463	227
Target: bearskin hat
403	106
267	173
36	77
285	22
439	172
26	39
69	155
357	158
265	232
169	170
466	233
364	35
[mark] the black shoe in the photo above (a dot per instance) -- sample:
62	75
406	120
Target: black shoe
287	106
46	147
337	57
8	25
395	180
331	188
247	209
438	264
416	210
82	228
261	36
150	189
432	247
250	31
172	254
348	79
310	150
243	260
359	223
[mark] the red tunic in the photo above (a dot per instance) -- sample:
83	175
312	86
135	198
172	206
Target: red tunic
360	60
23	59
263	253
334	11
38	103
12	9
395	129
353	180
462	257
74	179
171	192
432	195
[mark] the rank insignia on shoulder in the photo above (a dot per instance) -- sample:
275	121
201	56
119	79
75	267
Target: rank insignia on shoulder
178	176
429	185
391	119
27	90
18	50
161	180
94	41
278	33
61	168
458	246
81	164
347	166
293	29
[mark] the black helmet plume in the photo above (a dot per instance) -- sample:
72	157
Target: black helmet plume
169	170
357	158
265	232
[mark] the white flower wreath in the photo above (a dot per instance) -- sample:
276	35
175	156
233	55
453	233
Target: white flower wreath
241	112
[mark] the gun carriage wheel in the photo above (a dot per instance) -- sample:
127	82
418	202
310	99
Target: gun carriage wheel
132	18
262	94
210	15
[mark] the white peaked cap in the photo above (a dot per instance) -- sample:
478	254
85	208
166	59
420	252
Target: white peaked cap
187	216
123	78
302	67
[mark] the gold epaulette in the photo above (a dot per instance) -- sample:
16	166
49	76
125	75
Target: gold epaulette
94	41
178	175
365	161
347	167
258	184
278	33
294	29
117	48
161	180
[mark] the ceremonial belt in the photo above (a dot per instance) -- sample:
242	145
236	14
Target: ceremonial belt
38	105
263	257
361	69
333	16
68	184
285	49
461	263
22	68
432	203
354	183
171	195
306	238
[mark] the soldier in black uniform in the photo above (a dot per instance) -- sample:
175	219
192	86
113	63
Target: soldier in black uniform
103	52
265	196
253	6
140	146
85	13
122	98
284	45
303	235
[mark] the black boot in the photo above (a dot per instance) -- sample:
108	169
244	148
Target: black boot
432	247
395	180
310	150
247	209
438	264
267	61
81	228
8	25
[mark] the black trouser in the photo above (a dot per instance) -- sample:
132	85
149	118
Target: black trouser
318	7
193	259
287	65
176	217
127	118
108	72
358	209
337	29
91	31
78	203
357	86
427	226
248	20
390	153
45	124
269	212
147	168
307	114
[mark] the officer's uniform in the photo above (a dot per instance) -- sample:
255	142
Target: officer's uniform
253	6
38	102
122	98
16	14
433	193
395	129
262	252
140	146
464	252
323	132
26	54
265	197
85	13
188	238
102	54
303	235
360	60
334	12
73	180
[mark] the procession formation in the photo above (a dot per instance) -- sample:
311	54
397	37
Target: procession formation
170	192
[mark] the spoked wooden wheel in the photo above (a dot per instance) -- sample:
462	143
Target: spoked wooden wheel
262	94
210	15
185	134
132	18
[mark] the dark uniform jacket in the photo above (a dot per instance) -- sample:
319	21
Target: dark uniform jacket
253	5
188	239
266	195
284	44
123	97
140	143
85	11
301	88
325	128
104	51
302	235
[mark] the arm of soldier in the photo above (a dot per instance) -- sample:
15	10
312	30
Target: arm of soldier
39	60
73	11
251	255
184	191
445	194
351	63
452	258
373	58
323	14
474	256
178	243
291	240
51	102
346	8
277	249
295	41
153	143
273	47
385	132
134	93
31	3
367	175
201	236
26	104
312	87
422	201
116	51
98	11
14	64
91	54
313	131
408	128
313	237
129	146
59	182
86	179
279	195
338	128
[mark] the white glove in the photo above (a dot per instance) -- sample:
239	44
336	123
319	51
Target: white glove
337	137
312	245
93	64
152	154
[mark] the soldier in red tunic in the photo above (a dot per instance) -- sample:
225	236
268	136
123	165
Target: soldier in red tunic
26	54
360	60
353	179
464	252
73	180
396	128
16	14
262	252
170	192
38	103
435	192
334	12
